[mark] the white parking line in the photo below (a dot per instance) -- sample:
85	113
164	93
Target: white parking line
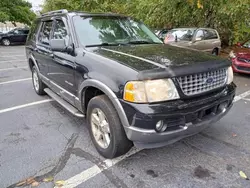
13	55
241	96
13	60
13	68
24	105
96	169
14	81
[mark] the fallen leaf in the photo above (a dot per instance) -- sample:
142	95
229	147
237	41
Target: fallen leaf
243	175
60	183
35	184
30	181
48	179
234	135
21	183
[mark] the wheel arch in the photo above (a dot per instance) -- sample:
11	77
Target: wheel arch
92	83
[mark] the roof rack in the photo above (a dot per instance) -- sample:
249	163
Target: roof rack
63	11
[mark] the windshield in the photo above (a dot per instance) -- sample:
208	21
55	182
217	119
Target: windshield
97	30
180	34
246	44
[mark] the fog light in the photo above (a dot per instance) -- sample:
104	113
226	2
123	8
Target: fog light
160	126
223	107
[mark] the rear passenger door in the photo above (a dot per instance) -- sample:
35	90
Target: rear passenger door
211	39
62	68
42	52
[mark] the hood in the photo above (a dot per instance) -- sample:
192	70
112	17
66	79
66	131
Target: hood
153	60
242	52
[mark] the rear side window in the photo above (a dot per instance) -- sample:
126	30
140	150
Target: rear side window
210	34
44	35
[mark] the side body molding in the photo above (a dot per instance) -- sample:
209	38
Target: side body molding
111	95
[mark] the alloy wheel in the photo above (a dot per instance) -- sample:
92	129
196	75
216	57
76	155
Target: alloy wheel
100	128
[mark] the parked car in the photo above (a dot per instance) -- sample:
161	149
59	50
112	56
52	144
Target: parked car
162	33
203	39
15	36
131	87
240	57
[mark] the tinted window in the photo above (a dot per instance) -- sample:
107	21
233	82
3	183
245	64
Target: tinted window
20	32
44	35
210	34
60	31
200	34
26	32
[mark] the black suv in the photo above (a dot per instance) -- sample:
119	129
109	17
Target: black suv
15	36
132	88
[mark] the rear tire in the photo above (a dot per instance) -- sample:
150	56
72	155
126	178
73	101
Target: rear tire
6	42
101	109
215	51
37	82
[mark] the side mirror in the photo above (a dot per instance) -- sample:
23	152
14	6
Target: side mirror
58	45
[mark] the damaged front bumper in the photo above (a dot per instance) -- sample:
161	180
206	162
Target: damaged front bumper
181	118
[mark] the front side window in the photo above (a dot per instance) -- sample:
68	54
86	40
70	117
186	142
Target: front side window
200	35
100	30
44	35
60	31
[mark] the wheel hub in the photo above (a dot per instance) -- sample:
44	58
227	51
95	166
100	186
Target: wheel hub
100	128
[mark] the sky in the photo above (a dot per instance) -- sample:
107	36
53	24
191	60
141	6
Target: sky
35	4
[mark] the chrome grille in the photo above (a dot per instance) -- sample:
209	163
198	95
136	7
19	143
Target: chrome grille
202	82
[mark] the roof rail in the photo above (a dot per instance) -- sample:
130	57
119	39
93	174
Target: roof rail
63	11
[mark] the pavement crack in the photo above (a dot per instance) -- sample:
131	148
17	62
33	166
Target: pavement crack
60	164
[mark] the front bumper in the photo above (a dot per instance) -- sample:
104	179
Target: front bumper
240	67
184	118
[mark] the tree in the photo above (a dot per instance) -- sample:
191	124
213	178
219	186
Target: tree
229	17
16	11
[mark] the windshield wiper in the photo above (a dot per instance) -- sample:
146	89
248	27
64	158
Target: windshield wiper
142	42
103	44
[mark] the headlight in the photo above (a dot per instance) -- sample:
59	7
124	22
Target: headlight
232	54
230	75
150	91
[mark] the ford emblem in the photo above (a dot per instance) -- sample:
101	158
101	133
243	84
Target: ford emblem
209	80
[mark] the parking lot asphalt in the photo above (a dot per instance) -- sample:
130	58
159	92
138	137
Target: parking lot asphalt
40	141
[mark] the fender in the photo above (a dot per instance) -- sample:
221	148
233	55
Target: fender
34	61
111	95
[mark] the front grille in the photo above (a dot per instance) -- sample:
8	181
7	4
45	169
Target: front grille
202	82
243	60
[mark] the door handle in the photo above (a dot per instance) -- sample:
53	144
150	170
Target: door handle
51	55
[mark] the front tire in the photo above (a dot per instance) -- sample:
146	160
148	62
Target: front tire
37	82
105	128
6	42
